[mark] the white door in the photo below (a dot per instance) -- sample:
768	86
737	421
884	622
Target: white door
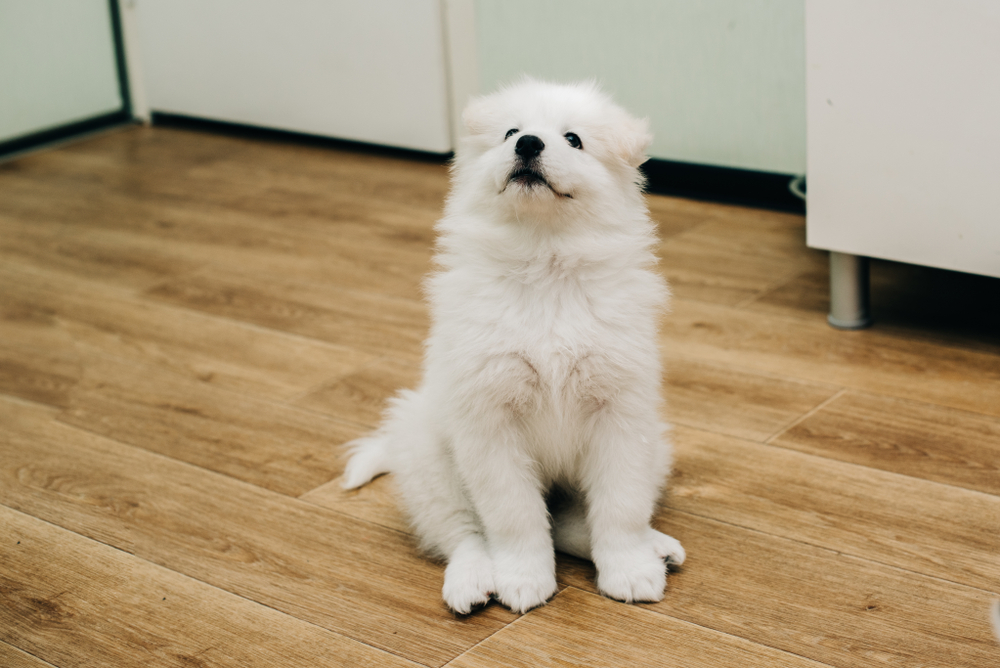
371	71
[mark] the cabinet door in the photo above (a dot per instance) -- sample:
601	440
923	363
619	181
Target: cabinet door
58	67
371	71
903	102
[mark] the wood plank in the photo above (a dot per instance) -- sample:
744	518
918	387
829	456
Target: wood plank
73	601
732	401
60	325
132	238
312	220
277	447
351	577
125	260
39	373
178	166
869	360
728	260
564	633
917	525
922	440
374	323
361	396
925	303
674	215
312	175
12	657
813	602
377	502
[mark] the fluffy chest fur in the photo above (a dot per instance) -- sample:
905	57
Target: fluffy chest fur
546	336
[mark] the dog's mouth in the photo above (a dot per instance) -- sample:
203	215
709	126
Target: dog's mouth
528	177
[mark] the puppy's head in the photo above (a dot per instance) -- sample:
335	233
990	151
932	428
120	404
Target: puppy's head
550	147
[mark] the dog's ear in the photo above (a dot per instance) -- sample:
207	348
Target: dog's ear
477	116
631	139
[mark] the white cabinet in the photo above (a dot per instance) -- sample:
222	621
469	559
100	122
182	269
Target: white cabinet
371	71
903	106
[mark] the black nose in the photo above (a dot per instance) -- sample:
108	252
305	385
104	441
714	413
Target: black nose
528	146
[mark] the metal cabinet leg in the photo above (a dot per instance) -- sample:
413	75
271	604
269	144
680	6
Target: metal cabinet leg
848	291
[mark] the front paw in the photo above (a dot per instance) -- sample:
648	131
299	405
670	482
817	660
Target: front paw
468	583
634	574
522	584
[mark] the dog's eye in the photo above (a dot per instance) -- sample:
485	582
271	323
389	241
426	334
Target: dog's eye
512	131
573	140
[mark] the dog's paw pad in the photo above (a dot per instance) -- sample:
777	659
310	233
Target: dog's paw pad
667	547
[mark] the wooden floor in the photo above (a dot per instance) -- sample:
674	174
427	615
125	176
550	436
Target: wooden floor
191	324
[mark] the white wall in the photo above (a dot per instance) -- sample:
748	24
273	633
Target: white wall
370	71
57	64
723	81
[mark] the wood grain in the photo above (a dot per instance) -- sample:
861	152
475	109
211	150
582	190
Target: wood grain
581	629
361	396
273	446
921	526
945	307
377	502
833	608
729	260
12	657
120	259
366	321
351	577
674	215
87	321
869	360
73	601
730	400
922	440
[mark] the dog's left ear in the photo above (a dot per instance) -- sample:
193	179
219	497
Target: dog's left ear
631	140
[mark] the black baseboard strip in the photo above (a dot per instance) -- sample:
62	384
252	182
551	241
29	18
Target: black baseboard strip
289	136
763	190
37	139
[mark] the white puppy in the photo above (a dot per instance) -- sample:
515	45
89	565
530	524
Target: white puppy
537	420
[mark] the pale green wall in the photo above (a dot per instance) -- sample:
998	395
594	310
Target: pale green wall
722	81
57	64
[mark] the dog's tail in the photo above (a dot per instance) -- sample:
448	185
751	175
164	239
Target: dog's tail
369	458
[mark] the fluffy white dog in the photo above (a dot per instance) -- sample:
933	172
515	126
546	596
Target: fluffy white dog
536	425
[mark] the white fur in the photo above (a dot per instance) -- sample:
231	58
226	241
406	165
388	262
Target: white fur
541	370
